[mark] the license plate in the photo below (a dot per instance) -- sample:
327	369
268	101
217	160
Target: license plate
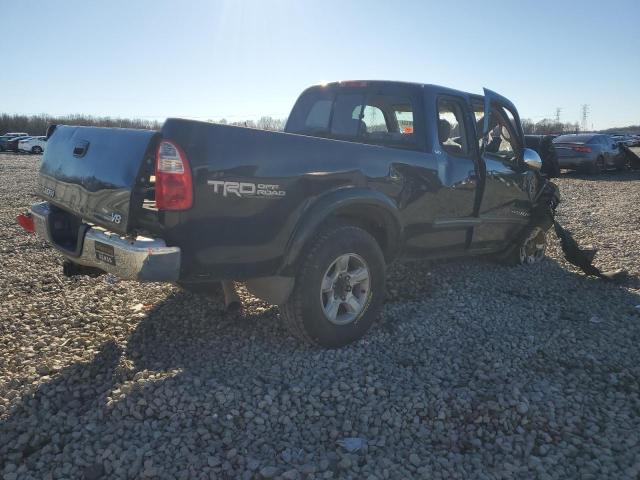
105	253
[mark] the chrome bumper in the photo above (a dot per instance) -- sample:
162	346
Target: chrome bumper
573	161
143	259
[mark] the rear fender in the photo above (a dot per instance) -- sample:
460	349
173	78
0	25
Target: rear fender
362	206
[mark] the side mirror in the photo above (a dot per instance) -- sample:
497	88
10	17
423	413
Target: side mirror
532	159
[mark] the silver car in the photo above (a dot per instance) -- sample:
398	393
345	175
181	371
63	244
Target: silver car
592	152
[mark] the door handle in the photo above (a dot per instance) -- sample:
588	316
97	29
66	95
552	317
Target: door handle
394	175
80	149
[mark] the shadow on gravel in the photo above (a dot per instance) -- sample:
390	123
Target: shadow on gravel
193	333
214	357
47	418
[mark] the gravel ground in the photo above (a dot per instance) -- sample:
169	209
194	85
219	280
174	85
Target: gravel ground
475	370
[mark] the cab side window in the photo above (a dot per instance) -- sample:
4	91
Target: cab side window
452	133
502	140
478	115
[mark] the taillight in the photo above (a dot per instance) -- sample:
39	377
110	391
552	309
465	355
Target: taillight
174	187
25	220
581	149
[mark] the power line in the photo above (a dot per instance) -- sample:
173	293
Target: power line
558	111
585	116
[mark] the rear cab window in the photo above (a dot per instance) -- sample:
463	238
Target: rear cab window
374	114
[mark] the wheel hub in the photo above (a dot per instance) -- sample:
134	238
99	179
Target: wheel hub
533	249
342	286
345	291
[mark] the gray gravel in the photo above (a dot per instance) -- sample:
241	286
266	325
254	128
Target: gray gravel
475	370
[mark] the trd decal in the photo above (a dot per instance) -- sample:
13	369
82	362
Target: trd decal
519	212
246	189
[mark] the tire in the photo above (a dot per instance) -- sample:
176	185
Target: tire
529	251
596	167
310	313
36	149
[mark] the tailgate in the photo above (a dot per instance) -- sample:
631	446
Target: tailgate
94	172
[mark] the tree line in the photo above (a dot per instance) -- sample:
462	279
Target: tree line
37	124
264	123
548	126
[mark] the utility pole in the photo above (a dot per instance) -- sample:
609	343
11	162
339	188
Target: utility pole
558	111
585	116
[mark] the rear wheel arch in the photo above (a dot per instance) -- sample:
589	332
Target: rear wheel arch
370	210
376	221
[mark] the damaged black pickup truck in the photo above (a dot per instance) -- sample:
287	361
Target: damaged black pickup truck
365	172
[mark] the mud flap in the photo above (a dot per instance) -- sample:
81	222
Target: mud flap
582	258
543	216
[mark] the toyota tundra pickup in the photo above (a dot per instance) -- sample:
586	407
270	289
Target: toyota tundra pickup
364	173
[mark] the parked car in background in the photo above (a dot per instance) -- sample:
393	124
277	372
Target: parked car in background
591	152
32	144
543	144
8	137
627	140
12	145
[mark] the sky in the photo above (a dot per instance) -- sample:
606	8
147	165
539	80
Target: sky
241	60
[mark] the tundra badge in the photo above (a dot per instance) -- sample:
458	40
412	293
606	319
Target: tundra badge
49	192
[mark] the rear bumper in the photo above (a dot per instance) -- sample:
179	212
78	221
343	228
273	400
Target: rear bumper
142	259
577	161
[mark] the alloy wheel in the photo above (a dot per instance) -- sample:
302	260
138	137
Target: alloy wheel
344	292
533	248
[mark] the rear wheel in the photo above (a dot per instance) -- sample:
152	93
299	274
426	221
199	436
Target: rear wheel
36	149
339	288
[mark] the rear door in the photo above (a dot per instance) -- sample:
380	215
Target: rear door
444	215
509	186
437	181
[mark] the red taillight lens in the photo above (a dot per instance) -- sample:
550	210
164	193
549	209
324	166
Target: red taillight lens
174	187
25	220
581	149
